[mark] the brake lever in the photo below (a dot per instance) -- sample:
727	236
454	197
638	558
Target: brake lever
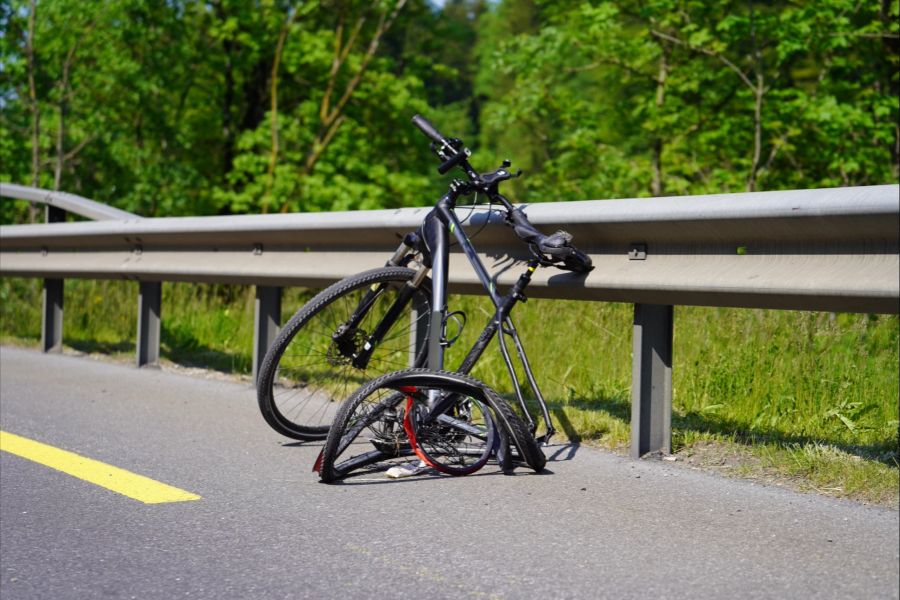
542	259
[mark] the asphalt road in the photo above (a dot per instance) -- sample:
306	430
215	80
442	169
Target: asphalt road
597	526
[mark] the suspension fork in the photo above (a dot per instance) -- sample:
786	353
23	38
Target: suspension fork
365	303
361	359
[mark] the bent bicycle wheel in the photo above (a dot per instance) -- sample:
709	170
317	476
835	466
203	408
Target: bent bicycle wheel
387	419
324	353
367	434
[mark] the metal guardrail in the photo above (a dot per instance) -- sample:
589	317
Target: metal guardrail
832	249
65	201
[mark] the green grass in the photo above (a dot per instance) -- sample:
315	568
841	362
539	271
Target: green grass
803	397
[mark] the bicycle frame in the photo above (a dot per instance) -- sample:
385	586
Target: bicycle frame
435	230
434	246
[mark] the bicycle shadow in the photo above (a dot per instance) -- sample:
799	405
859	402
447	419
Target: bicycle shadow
566	451
563	453
304	444
376	474
378	477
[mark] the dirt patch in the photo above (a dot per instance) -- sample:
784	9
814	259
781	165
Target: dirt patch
736	460
739	461
726	459
172	367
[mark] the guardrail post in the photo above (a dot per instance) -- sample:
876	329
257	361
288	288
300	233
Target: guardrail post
149	305
52	319
267	319
651	384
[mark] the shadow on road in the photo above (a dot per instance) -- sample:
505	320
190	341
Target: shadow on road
377	476
561	453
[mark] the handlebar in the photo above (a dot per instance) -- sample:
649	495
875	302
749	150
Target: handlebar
556	249
451	151
428	129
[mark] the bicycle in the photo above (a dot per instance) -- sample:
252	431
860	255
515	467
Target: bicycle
385	319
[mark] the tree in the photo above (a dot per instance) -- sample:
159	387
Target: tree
335	137
177	107
688	97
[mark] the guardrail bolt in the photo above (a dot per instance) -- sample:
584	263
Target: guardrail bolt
637	252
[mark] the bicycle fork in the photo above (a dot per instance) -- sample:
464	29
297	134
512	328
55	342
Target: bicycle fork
360	359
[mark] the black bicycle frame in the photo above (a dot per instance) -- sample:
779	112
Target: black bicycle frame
435	230
438	224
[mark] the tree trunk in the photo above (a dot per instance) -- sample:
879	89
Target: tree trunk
759	91
273	110
228	133
60	162
657	186
332	117
758	94
35	111
889	81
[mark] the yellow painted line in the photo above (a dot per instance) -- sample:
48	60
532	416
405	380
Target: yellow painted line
118	480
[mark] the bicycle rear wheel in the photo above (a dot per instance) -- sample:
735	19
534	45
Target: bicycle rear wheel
367	433
313	365
385	420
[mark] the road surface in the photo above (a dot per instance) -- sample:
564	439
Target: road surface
596	526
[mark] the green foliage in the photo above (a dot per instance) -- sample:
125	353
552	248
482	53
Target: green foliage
188	107
615	99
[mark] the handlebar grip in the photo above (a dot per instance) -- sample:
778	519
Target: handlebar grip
556	249
428	129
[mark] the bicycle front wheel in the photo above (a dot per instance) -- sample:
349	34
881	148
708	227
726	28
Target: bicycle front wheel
321	354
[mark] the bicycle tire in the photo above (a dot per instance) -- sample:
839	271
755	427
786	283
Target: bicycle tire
306	374
381	423
383	416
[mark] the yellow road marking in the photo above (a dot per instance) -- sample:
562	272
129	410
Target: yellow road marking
123	482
